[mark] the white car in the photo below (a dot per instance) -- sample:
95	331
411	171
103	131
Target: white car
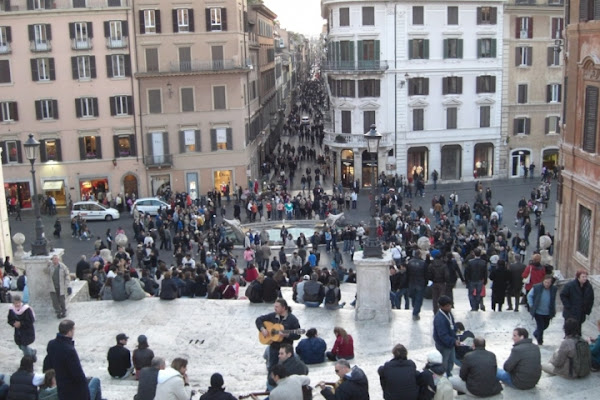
90	210
150	205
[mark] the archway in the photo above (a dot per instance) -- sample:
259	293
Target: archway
130	185
483	162
451	162
418	160
347	160
550	158
369	168
520	160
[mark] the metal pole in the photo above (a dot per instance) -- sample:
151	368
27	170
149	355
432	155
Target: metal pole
372	248
39	246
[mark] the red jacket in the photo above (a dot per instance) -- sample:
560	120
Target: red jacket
343	348
251	274
538	273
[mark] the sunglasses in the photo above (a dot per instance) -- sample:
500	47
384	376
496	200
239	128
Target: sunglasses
337	370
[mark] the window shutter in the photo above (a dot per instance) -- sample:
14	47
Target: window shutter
19	152
529	52
547	125
425	86
43	157
78	108
4	158
377	50
125	28
197	139
446	48
74	69
90	30
583	10
530	29
98	147
8	31
166	143
459	50
208	25
459	84
351	49
493	15
38	109
493	49
516	126
157	19
34	70
142	22
518	27
31	32
51	69
49	31
130	105
550	56
127	65
426	49
229	139
213	140
444	85
518	56
410	49
72	30
175	24
554	26
478	84
82	155
591	119
360	49
55	109
30	5
492	84
411	89
109	69
548	93
58	150
559	92
116	145
93	67
14	111
95	105
149	144
558	125
113	106
527	126
132	145
182	141
106	29
223	19
191	19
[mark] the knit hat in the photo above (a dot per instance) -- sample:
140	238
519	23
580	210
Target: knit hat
216	380
434	357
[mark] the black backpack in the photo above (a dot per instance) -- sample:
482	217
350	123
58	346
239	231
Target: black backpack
330	296
581	364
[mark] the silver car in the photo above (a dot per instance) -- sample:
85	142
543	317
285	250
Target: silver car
150	205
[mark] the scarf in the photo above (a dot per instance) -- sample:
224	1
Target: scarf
21	310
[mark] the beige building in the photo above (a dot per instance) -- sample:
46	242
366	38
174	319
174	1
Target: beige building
533	90
66	77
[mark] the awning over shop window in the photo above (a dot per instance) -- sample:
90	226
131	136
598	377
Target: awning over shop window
53	185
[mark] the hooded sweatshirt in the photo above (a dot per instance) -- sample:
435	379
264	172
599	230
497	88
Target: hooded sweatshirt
355	386
171	386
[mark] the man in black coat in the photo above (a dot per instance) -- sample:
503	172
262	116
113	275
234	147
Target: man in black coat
82	268
119	359
149	379
523	368
577	297
417	280
398	377
476	277
282	315
216	391
516	283
293	365
354	385
478	372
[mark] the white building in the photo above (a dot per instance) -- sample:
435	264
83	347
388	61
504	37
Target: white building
428	74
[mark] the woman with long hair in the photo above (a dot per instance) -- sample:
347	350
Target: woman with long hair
343	346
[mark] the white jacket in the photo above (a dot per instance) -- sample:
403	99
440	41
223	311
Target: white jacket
171	386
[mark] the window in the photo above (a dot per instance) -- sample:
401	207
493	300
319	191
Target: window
345	88
124	145
452	15
150	21
590	121
183	20
86	107
484	116
118	65
187	99
219	98
5	75
189	141
522	93
368	54
418	49
116	33
46	109
369	88
486	15
83	67
78	3
453	48
344	16
418	119
121	105
80	34
558	25
368	120
418	86
39	4
40	36
9	111
584	230
553	93
452	85
216	20
151	60
12	149
42	69
221	139
417	15
90	147
523	56
346	121
524	28
486	84
522	126
50	150
553	57
368	16
451	116
154	101
552	125
588	10
5	39
346	53
486	48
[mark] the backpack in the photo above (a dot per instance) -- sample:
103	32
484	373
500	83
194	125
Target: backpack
581	363
330	296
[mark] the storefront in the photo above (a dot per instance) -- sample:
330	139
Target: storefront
130	185
94	188
222	178
550	158
418	159
160	184
347	159
191	179
20	191
520	160
369	168
56	189
483	162
451	162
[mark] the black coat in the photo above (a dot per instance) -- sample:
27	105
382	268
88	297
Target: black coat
577	300
270	290
501	277
479	371
147	384
119	361
399	380
516	278
168	289
22	387
70	379
217	394
417	273
355	387
25	335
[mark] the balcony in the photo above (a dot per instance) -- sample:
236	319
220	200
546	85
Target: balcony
163	161
116	43
5	48
355	66
43	5
38	46
81	44
339	140
206	66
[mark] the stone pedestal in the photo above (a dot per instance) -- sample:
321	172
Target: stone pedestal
39	281
373	288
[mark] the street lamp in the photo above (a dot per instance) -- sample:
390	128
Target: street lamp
372	247
40	245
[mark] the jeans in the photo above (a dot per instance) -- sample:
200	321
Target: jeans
396	299
416	295
95	389
504	376
475	300
27	351
448	357
313	304
542	322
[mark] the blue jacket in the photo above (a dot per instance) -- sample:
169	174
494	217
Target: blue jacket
312	350
536	294
444	333
70	379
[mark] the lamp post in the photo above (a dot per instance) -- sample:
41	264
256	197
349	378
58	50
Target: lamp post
372	247
40	245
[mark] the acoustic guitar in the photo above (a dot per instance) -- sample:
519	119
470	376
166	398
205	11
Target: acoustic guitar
253	394
275	333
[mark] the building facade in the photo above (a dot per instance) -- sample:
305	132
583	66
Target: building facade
66	77
428	74
578	213
533	90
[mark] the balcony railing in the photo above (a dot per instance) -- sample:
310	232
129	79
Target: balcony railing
81	44
197	65
40	46
42	5
165	160
116	43
5	48
360	65
354	140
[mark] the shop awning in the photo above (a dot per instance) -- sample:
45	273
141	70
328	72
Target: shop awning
53	185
